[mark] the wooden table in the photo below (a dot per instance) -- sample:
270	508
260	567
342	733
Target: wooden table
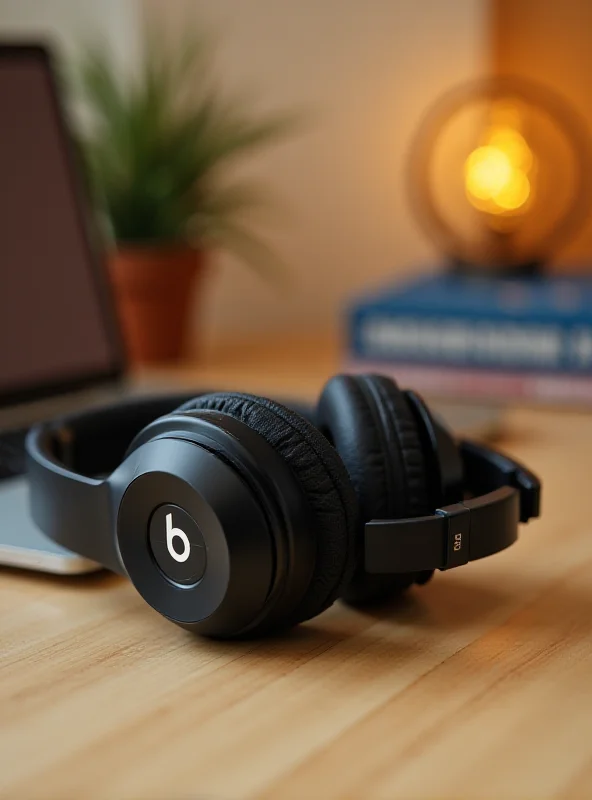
478	685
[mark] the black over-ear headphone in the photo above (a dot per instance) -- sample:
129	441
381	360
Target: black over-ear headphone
234	515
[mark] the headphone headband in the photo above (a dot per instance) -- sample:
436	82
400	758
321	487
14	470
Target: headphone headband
71	504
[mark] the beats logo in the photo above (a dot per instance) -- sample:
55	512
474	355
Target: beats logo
171	533
177	544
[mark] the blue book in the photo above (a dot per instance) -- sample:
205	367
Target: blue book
541	326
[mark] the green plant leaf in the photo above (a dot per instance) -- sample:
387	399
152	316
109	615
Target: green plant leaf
160	145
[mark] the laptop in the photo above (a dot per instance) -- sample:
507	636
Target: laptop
60	346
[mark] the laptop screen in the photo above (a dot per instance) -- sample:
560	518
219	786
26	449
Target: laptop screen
56	325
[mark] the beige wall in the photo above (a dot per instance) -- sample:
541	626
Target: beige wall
551	42
366	70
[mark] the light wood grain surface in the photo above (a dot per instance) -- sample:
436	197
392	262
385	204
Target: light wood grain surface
478	685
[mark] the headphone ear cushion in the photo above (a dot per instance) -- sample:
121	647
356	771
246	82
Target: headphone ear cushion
325	481
371	425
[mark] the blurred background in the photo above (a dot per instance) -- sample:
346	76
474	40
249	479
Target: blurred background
358	78
364	72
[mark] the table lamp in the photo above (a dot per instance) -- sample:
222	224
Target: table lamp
500	175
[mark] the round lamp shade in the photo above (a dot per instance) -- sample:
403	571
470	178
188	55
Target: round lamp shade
500	174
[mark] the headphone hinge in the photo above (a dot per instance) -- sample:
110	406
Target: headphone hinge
458	534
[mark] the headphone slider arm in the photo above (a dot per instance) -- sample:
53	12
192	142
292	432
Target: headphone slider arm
395	546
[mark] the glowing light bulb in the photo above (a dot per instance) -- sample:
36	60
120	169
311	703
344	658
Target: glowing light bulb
497	172
487	171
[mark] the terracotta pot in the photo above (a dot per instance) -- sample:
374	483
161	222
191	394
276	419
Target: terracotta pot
154	291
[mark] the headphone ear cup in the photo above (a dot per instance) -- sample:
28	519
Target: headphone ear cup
322	476
370	423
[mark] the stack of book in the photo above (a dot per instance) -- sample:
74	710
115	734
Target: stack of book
479	337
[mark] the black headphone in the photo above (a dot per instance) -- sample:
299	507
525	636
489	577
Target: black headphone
234	515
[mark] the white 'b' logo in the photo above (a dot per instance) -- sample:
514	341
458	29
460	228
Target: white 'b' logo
170	535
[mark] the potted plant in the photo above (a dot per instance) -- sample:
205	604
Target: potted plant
159	145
